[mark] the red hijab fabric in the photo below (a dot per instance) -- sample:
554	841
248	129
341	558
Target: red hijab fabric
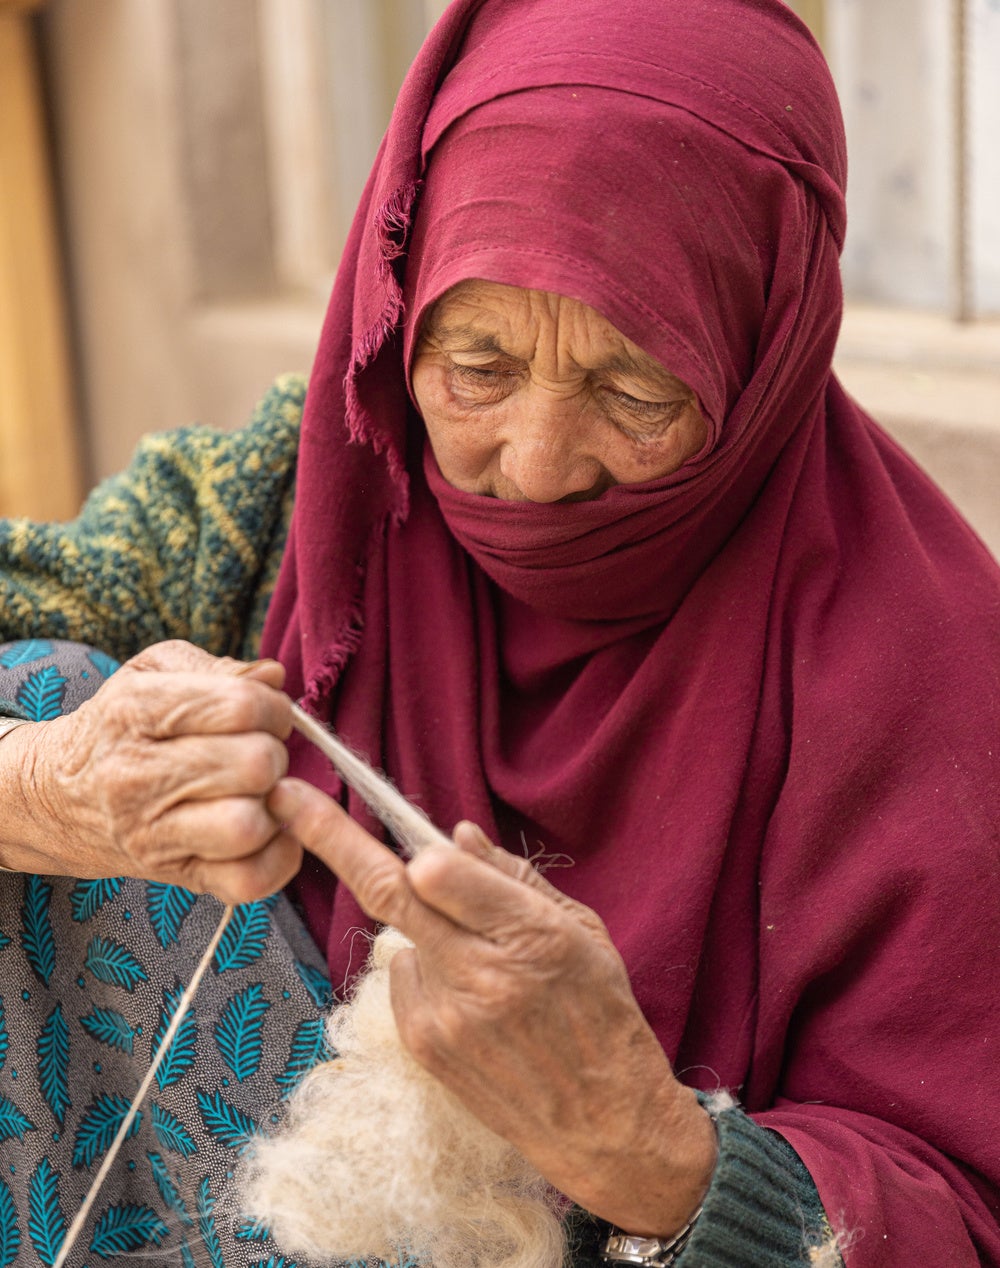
753	706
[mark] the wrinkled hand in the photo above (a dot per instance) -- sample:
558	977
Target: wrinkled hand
164	774
516	999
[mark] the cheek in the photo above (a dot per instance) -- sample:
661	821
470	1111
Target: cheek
630	463
461	439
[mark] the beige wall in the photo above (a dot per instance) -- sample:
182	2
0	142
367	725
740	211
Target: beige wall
209	157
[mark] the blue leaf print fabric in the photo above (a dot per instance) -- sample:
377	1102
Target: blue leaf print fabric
53	1064
244	939
167	906
91	972
36	931
46	1223
12	1121
41	694
124	1228
88	897
180	1055
99	1126
10	1230
308	1048
239	1030
25	652
110	1027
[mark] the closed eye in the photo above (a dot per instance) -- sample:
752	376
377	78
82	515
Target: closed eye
480	373
646	409
643	422
482	384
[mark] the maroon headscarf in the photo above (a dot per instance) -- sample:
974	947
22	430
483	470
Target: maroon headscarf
754	705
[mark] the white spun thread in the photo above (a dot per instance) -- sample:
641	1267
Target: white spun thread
407	822
185	1003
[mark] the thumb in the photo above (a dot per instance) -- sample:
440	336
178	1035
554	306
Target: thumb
471	839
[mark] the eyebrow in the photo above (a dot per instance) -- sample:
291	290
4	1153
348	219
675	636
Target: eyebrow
470	339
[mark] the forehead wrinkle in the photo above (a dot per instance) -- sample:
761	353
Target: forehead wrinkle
475	336
468	338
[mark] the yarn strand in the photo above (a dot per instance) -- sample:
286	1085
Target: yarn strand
407	822
109	1158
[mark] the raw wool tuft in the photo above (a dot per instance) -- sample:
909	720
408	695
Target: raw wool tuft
377	1154
829	1253
718	1102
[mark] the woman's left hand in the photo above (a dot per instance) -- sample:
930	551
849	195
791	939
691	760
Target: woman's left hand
515	998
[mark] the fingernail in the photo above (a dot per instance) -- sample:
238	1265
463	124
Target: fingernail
469	834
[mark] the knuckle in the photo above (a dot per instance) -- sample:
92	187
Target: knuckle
238	699
379	893
246	822
522	870
543	948
423	1037
263	765
171	653
503	993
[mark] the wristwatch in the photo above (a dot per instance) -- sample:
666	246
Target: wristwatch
654	1252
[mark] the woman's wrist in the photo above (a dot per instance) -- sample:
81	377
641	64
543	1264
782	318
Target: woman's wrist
660	1188
23	834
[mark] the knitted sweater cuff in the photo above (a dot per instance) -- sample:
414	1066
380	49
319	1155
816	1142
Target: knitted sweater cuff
762	1207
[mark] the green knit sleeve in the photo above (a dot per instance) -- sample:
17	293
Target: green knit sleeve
762	1209
184	544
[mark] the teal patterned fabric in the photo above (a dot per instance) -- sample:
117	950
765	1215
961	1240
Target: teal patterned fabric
91	972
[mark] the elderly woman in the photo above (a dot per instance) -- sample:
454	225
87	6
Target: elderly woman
589	547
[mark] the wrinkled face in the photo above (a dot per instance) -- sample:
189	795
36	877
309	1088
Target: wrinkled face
530	396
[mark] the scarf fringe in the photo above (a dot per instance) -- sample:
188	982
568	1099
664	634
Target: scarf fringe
392	225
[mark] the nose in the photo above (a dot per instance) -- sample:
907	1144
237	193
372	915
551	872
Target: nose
544	455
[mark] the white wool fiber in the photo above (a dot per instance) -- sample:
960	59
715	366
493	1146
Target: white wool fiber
376	1154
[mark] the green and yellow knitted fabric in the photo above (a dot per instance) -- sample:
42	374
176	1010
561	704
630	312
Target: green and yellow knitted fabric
185	543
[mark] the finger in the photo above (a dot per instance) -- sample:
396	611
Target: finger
186	703
471	839
175	655
478	896
250	879
271	672
205	768
375	876
223	830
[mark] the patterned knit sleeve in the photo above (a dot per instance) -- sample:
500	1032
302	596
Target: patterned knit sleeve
184	544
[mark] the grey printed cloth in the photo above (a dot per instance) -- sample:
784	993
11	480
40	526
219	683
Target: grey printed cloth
91	972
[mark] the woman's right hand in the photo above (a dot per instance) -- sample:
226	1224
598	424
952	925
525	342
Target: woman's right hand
163	774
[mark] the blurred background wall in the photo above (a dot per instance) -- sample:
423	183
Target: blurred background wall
203	158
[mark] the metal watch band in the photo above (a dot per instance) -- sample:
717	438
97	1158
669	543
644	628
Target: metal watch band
8	724
654	1252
